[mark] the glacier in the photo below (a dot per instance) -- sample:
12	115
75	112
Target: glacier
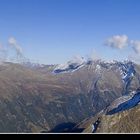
124	103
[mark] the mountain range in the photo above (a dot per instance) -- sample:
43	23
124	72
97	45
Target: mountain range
79	96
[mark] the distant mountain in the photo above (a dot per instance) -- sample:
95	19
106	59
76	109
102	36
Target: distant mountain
52	98
70	66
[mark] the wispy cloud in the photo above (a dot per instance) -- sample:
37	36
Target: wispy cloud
94	55
136	46
13	43
117	41
77	59
134	57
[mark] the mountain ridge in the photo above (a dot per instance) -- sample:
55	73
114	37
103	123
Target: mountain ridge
38	100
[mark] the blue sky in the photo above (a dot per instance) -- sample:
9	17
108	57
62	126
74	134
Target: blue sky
53	31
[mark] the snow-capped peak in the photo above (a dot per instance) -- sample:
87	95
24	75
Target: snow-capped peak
70	66
127	70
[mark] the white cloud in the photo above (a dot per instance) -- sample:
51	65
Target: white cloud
117	41
12	42
77	59
94	55
135	58
135	46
